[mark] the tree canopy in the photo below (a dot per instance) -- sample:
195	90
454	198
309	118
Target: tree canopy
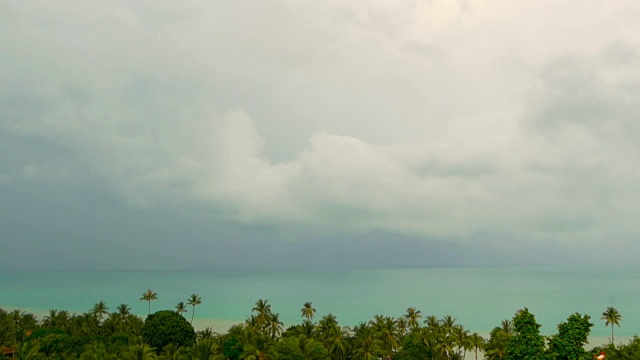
167	327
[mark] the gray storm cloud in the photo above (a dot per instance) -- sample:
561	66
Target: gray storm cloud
428	119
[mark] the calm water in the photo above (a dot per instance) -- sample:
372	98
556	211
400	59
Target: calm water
478	297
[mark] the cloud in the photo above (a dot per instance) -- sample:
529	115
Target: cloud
456	121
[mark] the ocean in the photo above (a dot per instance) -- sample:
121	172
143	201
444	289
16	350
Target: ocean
479	297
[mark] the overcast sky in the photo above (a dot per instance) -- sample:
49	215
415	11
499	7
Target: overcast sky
203	134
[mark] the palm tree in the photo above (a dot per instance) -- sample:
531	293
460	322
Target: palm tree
207	333
477	342
425	336
461	336
366	345
148	296
402	326
308	311
100	310
56	320
495	347
497	353
258	347
28	351
141	352
413	316
432	322
49	321
123	313
113	351
611	317
172	352
94	350
275	325
336	342
306	330
63	319
326	325
85	325
263	310
252	321
181	308
507	327
194	300
430	334
448	322
17	316
387	332
205	349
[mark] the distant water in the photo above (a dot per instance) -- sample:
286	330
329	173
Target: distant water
480	298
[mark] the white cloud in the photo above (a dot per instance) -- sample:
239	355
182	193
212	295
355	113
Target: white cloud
437	119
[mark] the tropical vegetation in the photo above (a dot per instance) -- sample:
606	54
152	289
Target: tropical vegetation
611	316
166	334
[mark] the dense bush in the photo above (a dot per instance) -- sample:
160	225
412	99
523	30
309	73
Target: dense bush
572	336
628	351
526	343
414	348
167	327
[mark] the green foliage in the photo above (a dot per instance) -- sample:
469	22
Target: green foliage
138	352
496	348
289	349
526	343
572	335
232	347
28	351
366	345
414	347
476	343
206	349
119	339
172	352
314	350
41	333
103	351
167	327
123	335
628	351
54	344
68	345
295	348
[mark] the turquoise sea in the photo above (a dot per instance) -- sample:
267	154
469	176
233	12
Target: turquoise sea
480	298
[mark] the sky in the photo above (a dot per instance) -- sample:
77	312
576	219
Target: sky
138	135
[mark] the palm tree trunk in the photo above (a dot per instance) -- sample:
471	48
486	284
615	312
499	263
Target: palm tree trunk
15	346
612	333
476	353
149	301
193	313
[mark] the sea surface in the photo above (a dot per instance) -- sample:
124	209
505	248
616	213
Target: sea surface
479	297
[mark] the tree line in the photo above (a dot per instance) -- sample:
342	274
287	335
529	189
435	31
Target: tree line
168	334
